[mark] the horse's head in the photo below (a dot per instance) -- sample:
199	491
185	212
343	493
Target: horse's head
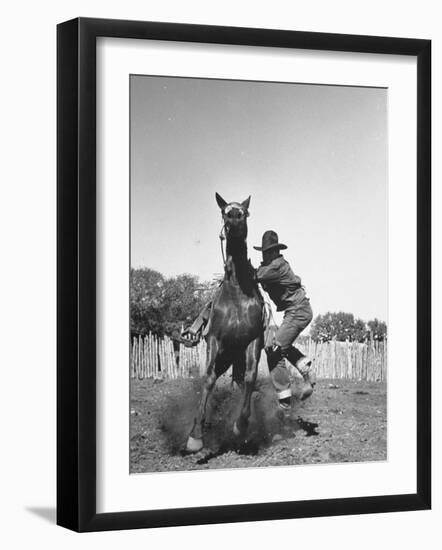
234	216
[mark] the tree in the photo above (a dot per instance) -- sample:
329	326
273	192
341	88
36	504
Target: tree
146	288
343	326
340	326
359	331
181	303
377	329
163	305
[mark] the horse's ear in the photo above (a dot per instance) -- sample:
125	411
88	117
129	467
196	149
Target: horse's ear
221	202
245	204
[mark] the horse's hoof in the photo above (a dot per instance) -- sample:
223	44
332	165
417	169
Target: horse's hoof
193	445
307	390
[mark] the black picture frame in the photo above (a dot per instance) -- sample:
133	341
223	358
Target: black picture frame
77	287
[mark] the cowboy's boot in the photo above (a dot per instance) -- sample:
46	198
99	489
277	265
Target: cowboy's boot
303	364
274	356
280	377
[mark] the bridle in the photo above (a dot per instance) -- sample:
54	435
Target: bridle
222	233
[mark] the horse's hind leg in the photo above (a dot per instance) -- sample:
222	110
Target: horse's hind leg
253	353
216	365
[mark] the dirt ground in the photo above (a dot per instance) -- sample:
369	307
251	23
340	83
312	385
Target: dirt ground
343	421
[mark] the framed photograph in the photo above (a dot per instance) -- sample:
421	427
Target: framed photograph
244	322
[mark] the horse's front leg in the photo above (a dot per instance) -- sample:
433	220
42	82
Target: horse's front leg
195	439
218	361
253	353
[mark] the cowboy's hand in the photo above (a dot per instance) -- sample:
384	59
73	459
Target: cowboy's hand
252	269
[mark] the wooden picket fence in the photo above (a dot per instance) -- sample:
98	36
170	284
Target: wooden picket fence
351	360
153	357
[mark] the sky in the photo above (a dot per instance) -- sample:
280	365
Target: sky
312	157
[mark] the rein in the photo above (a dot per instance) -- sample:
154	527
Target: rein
222	237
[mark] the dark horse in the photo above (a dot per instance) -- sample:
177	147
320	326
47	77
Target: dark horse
235	330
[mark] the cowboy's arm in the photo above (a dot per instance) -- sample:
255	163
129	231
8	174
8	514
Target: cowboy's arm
268	273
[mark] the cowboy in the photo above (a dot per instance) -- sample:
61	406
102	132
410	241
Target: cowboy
285	290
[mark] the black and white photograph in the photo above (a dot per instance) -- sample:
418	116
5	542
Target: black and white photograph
220	241
258	274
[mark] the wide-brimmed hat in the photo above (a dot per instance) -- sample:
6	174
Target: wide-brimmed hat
269	241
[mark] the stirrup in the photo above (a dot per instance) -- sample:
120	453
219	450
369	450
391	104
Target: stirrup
188	342
191	341
286	407
285	400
